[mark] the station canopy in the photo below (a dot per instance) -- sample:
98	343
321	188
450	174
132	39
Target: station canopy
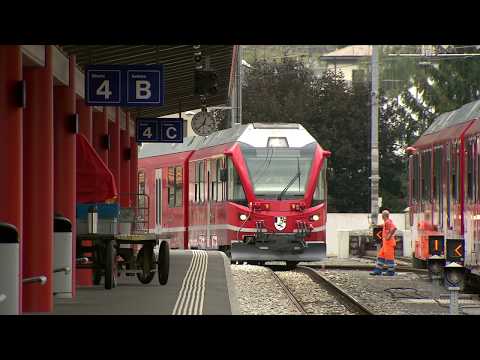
179	68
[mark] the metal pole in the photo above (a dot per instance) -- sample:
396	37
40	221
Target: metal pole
238	119
454	308
375	158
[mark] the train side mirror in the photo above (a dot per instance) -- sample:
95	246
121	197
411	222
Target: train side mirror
223	175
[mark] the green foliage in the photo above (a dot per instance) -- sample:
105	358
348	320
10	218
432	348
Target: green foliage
338	116
442	85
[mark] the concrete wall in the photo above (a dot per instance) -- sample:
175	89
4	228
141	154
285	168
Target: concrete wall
347	221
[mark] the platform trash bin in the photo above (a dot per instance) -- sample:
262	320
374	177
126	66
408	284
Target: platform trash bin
9	270
62	258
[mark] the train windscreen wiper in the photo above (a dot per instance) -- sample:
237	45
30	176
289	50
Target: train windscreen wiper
297	175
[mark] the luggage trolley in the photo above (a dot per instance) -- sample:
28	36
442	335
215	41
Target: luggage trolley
105	235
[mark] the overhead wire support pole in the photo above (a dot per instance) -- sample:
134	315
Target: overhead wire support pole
375	178
238	73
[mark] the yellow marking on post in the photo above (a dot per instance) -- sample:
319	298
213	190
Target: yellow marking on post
456	250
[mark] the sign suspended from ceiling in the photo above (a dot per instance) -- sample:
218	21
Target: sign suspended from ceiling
162	130
124	85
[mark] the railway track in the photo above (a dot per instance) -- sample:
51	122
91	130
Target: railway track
346	299
290	294
401	260
367	267
340	295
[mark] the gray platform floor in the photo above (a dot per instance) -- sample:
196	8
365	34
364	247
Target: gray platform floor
204	277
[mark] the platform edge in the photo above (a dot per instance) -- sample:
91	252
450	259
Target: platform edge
234	305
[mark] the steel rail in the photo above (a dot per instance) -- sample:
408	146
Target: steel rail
366	267
346	299
289	293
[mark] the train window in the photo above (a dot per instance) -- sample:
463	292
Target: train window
415	178
235	192
178	186
478	170
141	182
171	187
201	182
426	158
213	180
158	200
218	164
454	172
470	174
321	188
197	183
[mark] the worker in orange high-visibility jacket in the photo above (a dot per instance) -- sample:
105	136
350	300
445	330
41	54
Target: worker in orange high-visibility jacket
386	256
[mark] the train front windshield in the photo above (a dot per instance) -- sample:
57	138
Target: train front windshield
277	172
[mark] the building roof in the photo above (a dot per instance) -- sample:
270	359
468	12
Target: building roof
349	52
179	70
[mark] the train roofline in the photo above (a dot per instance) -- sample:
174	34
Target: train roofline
240	133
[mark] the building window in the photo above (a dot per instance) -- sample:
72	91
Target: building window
358	76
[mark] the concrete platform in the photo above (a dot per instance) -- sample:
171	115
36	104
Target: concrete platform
200	283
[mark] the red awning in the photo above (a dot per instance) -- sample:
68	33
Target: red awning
95	181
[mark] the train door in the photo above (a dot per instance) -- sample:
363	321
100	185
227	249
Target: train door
208	199
213	203
476	212
158	200
438	186
470	200
448	187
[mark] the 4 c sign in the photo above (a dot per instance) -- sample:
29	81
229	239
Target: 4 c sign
163	130
124	85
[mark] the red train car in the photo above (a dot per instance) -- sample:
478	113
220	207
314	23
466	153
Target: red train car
256	191
444	190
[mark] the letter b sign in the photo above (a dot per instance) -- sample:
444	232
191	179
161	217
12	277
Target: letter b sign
144	87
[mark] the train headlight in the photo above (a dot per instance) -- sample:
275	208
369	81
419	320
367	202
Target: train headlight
243	217
315	217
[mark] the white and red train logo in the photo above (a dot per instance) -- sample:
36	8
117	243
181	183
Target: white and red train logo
280	223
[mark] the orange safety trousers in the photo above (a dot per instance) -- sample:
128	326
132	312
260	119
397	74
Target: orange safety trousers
387	251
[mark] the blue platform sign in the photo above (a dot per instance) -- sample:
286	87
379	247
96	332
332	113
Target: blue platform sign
124	85
160	130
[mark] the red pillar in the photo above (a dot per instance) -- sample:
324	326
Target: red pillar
65	155
38	186
85	114
125	165
100	129
133	169
11	115
114	152
85	118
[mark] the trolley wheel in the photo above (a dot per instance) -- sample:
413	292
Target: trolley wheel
97	277
163	263
144	277
110	266
292	264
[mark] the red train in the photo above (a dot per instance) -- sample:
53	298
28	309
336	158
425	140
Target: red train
256	191
444	190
